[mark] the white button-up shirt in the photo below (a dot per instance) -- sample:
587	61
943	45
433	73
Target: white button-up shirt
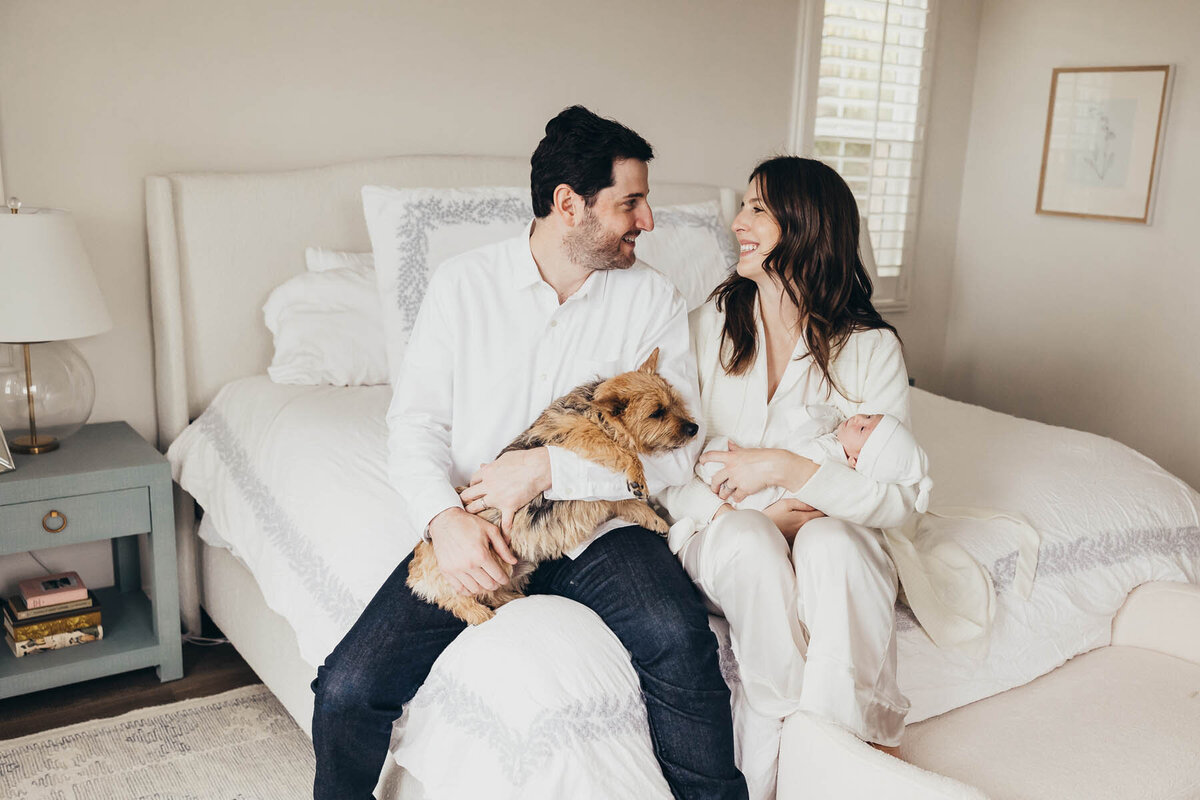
492	347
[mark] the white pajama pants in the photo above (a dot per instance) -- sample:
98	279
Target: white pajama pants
813	628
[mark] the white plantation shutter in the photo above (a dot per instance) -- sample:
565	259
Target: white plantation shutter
868	119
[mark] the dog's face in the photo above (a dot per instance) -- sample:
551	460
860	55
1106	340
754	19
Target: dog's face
646	408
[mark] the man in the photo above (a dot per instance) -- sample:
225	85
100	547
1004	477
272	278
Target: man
503	331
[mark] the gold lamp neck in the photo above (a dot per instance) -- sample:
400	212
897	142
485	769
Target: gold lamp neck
32	443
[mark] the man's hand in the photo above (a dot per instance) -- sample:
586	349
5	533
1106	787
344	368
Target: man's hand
508	483
790	515
466	547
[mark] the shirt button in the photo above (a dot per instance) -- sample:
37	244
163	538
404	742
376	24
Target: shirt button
553	323
542	376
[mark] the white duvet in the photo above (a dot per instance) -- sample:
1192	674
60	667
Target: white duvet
294	480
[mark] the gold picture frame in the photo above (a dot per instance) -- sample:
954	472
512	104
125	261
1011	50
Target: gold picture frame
7	463
1104	136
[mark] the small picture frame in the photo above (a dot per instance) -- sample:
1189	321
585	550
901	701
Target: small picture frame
1104	134
7	464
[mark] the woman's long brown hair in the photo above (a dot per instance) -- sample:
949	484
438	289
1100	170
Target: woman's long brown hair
816	260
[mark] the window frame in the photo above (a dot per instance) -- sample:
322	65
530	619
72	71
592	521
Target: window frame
802	137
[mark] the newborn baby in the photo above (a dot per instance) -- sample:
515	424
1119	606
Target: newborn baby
877	445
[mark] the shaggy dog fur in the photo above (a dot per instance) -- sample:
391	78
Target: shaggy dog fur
609	422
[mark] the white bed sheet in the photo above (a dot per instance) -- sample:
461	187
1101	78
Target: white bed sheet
294	478
293	482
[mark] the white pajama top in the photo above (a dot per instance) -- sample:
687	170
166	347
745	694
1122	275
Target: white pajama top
869	368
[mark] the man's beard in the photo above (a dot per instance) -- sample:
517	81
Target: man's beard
590	247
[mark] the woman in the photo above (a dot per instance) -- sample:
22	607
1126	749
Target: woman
808	586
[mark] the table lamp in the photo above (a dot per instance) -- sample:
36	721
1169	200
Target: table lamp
48	294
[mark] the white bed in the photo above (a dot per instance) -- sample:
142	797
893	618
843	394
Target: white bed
296	540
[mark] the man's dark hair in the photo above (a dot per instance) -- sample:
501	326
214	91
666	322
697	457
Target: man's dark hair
579	149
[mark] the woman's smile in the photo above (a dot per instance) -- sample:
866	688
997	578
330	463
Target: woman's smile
756	231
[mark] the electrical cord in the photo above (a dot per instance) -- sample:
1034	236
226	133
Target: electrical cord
203	641
39	562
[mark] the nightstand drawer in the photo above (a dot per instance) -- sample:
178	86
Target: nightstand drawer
68	520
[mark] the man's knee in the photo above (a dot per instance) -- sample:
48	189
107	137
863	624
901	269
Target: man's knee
336	692
669	630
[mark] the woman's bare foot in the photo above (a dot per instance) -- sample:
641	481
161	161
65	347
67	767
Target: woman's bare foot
894	752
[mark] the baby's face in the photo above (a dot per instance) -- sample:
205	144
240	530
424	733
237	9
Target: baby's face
854	432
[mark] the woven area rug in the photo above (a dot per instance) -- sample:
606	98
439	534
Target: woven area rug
239	745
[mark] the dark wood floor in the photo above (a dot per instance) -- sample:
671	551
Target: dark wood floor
207	670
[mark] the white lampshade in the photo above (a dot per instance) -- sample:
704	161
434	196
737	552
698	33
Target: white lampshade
48	291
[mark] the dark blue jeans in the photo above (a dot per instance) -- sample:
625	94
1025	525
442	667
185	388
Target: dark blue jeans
628	577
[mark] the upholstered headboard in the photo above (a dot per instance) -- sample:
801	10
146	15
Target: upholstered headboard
219	243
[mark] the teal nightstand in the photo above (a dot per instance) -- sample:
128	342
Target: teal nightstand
106	482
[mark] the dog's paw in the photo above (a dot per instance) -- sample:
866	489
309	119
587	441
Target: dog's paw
638	489
477	614
658	525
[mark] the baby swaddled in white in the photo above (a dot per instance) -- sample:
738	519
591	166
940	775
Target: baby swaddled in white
877	445
951	595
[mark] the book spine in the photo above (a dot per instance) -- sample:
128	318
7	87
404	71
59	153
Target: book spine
41	601
37	630
16	606
56	641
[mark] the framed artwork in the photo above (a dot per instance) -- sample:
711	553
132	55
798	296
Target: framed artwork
1104	133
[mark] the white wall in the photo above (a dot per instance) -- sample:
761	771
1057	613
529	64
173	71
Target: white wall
95	96
923	326
1084	323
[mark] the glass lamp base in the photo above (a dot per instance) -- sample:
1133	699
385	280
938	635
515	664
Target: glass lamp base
28	445
46	394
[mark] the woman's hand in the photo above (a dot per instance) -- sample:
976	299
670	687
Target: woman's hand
790	515
749	470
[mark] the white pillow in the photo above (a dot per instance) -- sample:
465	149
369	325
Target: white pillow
415	230
318	259
692	246
328	328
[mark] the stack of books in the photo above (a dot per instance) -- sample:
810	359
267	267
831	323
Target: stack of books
50	613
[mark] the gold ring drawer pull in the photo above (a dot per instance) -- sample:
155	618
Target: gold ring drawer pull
54	515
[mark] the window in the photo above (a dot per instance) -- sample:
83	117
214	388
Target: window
862	92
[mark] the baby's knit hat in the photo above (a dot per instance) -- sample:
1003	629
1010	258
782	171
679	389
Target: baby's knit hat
892	455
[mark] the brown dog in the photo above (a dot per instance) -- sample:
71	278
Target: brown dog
609	422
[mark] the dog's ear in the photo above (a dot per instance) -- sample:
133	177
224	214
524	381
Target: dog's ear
610	401
651	363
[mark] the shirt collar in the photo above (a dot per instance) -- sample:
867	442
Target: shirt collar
526	272
525	269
